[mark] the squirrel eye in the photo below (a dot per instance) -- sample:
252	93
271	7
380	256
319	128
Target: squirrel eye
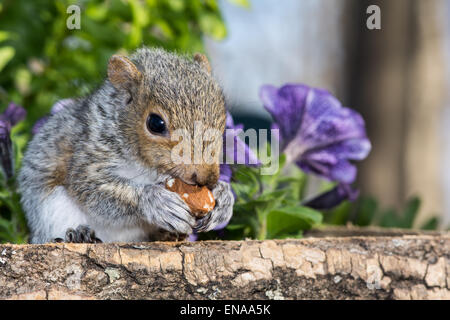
156	124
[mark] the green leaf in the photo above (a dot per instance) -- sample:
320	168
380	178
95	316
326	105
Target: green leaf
213	26
275	195
241	3
4	35
235	226
6	54
431	224
389	219
294	235
410	213
295	182
5	224
245	175
366	212
340	214
97	12
246	183
252	205
164	28
176	5
273	179
291	219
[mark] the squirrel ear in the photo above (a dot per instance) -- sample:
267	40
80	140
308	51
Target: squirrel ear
122	73
203	61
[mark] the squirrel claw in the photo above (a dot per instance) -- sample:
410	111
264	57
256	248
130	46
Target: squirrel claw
201	224
82	234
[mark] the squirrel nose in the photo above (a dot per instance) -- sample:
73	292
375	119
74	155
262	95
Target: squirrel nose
209	180
205	177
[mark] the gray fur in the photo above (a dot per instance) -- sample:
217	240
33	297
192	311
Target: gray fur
90	141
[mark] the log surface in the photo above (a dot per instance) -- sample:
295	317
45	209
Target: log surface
361	267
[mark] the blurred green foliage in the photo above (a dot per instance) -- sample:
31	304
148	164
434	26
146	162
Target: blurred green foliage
42	60
366	211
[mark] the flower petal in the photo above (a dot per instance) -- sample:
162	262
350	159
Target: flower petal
316	131
286	105
229	121
193	237
335	169
61	105
6	151
352	149
38	124
343	171
225	173
327	122
236	149
13	113
332	198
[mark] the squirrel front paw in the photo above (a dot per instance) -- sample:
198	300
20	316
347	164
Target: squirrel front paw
82	234
167	210
223	210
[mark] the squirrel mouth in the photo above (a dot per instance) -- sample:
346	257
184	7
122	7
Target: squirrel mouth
190	182
183	179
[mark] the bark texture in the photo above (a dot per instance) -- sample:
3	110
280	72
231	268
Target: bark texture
373	267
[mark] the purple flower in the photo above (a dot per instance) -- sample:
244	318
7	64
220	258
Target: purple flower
6	154
13	114
239	152
225	173
316	131
332	198
61	105
9	118
38	124
193	237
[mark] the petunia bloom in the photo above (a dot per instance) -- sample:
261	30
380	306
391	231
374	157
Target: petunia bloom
6	153
61	105
316	131
193	237
9	118
225	173
38	124
13	114
332	198
238	152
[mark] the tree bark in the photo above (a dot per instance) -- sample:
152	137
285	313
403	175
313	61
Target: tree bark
361	267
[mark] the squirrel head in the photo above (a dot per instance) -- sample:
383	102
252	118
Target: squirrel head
173	113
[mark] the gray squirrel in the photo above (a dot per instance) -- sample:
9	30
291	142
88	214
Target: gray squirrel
96	170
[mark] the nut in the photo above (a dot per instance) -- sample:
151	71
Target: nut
200	200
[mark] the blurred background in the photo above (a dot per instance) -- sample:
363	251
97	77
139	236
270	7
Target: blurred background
396	77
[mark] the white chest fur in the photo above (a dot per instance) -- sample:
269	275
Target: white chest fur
64	213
